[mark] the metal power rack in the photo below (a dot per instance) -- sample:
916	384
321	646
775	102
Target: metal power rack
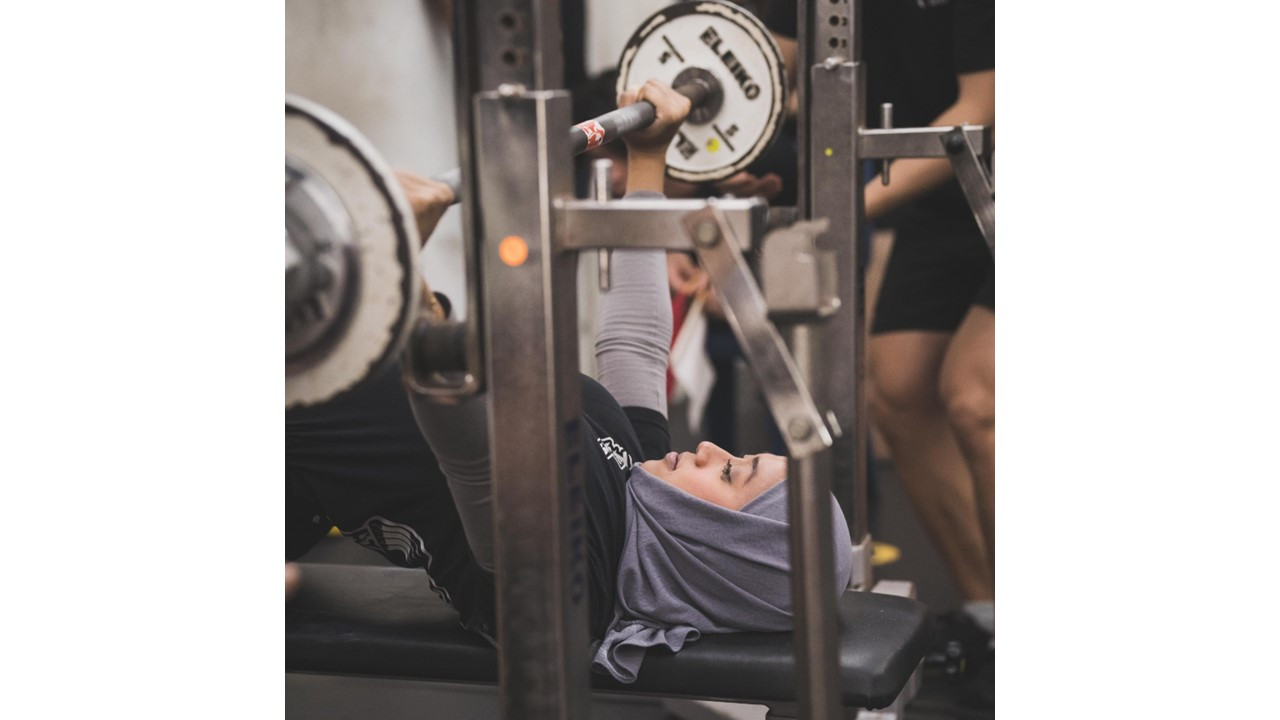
521	339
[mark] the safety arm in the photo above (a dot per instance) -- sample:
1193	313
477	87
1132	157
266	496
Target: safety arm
911	178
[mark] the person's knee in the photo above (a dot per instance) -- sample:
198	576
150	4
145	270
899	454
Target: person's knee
971	408
896	392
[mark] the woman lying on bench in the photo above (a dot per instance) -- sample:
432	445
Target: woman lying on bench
678	544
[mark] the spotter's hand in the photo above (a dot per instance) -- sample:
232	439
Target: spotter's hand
428	198
744	184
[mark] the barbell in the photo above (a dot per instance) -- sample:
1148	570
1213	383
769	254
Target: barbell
351	288
720	57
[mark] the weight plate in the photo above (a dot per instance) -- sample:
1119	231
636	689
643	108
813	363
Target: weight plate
351	288
736	49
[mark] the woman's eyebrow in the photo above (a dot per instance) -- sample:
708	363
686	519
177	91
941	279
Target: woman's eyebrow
755	463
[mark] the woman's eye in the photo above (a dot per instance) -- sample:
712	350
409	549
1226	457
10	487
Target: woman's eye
727	467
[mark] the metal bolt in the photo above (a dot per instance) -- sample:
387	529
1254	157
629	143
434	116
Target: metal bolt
799	429
706	234
954	141
886	122
600	184
831	63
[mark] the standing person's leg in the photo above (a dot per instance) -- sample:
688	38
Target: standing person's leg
934	272
968	392
968	388
904	368
877	258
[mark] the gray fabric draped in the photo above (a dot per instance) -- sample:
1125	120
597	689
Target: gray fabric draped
690	567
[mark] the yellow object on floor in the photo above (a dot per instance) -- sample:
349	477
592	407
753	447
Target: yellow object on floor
884	554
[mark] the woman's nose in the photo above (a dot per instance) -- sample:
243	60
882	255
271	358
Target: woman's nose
707	451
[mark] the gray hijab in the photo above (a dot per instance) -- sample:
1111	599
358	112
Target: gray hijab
690	567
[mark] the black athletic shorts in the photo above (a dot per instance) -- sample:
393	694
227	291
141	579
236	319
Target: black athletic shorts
939	268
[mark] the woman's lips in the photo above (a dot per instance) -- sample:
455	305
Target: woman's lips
673	459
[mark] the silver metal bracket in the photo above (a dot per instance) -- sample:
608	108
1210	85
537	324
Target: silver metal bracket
600	191
798	272
917	142
775	370
861	578
963	145
590	224
886	122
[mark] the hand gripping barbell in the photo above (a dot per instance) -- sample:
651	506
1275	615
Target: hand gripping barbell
720	57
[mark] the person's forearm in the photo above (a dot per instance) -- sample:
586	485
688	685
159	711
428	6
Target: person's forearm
912	178
633	330
633	319
646	172
908	179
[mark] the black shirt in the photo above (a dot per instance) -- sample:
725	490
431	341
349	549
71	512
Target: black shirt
913	50
616	439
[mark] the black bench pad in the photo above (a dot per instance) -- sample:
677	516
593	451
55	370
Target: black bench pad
386	622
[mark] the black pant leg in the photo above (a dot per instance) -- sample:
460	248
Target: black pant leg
368	469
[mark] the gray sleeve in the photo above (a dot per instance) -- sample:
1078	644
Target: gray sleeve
633	327
459	438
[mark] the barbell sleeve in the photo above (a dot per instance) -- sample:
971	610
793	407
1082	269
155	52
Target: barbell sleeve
604	129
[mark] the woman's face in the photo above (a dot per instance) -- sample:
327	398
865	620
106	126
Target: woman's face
714	475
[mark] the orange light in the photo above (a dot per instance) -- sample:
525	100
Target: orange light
513	250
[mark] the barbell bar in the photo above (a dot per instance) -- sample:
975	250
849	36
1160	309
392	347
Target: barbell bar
720	57
604	129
